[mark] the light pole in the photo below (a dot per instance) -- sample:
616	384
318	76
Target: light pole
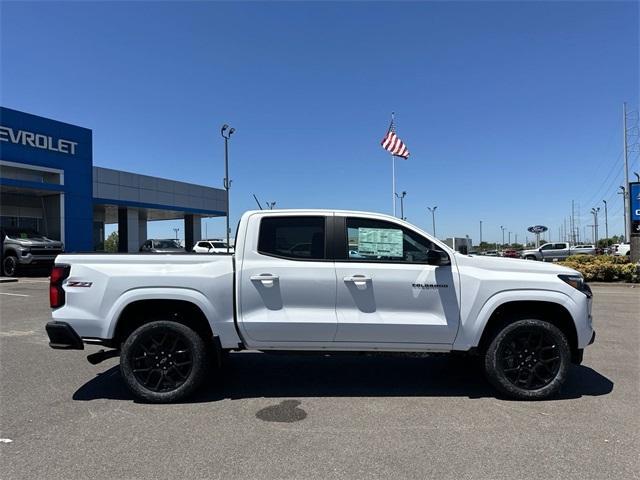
623	192
503	229
595	211
480	244
176	230
433	218
606	223
226	133
637	176
401	197
509	238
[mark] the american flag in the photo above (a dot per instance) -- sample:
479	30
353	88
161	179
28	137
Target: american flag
392	144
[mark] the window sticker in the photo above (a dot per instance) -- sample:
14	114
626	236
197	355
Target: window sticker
380	242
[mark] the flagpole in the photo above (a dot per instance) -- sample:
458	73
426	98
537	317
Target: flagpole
393	169
393	180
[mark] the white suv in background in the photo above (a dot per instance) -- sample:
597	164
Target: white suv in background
211	246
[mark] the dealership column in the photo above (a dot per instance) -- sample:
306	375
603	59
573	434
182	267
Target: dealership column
192	230
130	230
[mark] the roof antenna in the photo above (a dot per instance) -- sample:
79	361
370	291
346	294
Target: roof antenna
256	199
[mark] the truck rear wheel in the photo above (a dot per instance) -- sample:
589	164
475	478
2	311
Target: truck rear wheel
528	360
163	361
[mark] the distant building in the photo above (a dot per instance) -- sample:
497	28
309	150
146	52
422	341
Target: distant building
460	244
48	183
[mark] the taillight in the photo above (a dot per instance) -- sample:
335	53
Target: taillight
56	292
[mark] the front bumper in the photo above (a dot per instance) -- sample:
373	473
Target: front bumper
63	336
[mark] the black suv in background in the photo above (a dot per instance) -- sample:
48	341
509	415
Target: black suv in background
23	247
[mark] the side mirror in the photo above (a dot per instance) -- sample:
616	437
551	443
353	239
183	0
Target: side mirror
437	258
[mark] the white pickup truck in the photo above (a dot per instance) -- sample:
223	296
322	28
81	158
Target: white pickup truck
321	281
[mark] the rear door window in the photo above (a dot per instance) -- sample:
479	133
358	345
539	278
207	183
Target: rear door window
297	238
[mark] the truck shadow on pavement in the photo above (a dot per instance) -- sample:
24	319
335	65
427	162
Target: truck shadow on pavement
257	375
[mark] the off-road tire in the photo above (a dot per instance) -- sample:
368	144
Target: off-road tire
10	265
519	360
174	356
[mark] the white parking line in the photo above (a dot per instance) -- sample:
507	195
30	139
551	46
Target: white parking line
34	281
14	294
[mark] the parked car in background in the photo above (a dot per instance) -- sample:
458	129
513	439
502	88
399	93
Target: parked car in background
491	253
510	253
552	252
211	246
623	249
166	245
24	247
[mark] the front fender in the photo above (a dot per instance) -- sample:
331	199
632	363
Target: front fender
476	321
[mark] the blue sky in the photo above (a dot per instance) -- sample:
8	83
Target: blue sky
510	110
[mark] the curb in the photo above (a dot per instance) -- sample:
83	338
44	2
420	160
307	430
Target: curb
613	284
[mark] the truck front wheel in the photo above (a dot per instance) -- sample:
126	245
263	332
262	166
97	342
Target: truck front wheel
528	360
10	265
163	362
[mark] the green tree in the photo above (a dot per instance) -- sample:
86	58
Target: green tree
111	243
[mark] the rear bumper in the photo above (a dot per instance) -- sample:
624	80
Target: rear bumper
63	336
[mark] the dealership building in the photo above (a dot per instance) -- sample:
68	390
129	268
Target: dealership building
48	183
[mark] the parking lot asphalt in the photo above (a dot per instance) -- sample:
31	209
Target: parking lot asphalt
296	416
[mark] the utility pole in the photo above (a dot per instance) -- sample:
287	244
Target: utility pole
509	238
226	133
606	223
573	225
623	192
433	218
516	241
176	230
480	233
401	197
626	172
595	211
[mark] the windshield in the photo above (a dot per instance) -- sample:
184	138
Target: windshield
168	243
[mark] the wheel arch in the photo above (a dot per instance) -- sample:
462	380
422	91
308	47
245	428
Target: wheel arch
549	311
143	311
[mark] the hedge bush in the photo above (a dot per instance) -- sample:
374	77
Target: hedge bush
604	268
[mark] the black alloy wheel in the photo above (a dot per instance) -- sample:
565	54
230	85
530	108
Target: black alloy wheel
163	361
10	265
528	359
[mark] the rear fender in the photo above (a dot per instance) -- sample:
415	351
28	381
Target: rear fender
145	294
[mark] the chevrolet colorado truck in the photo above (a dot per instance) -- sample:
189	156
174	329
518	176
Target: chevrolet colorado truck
321	281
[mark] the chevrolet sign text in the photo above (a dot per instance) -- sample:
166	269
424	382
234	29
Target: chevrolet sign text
37	140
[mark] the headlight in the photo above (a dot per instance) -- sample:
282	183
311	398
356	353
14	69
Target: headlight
577	282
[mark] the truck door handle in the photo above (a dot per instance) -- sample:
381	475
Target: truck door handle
267	279
358	280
